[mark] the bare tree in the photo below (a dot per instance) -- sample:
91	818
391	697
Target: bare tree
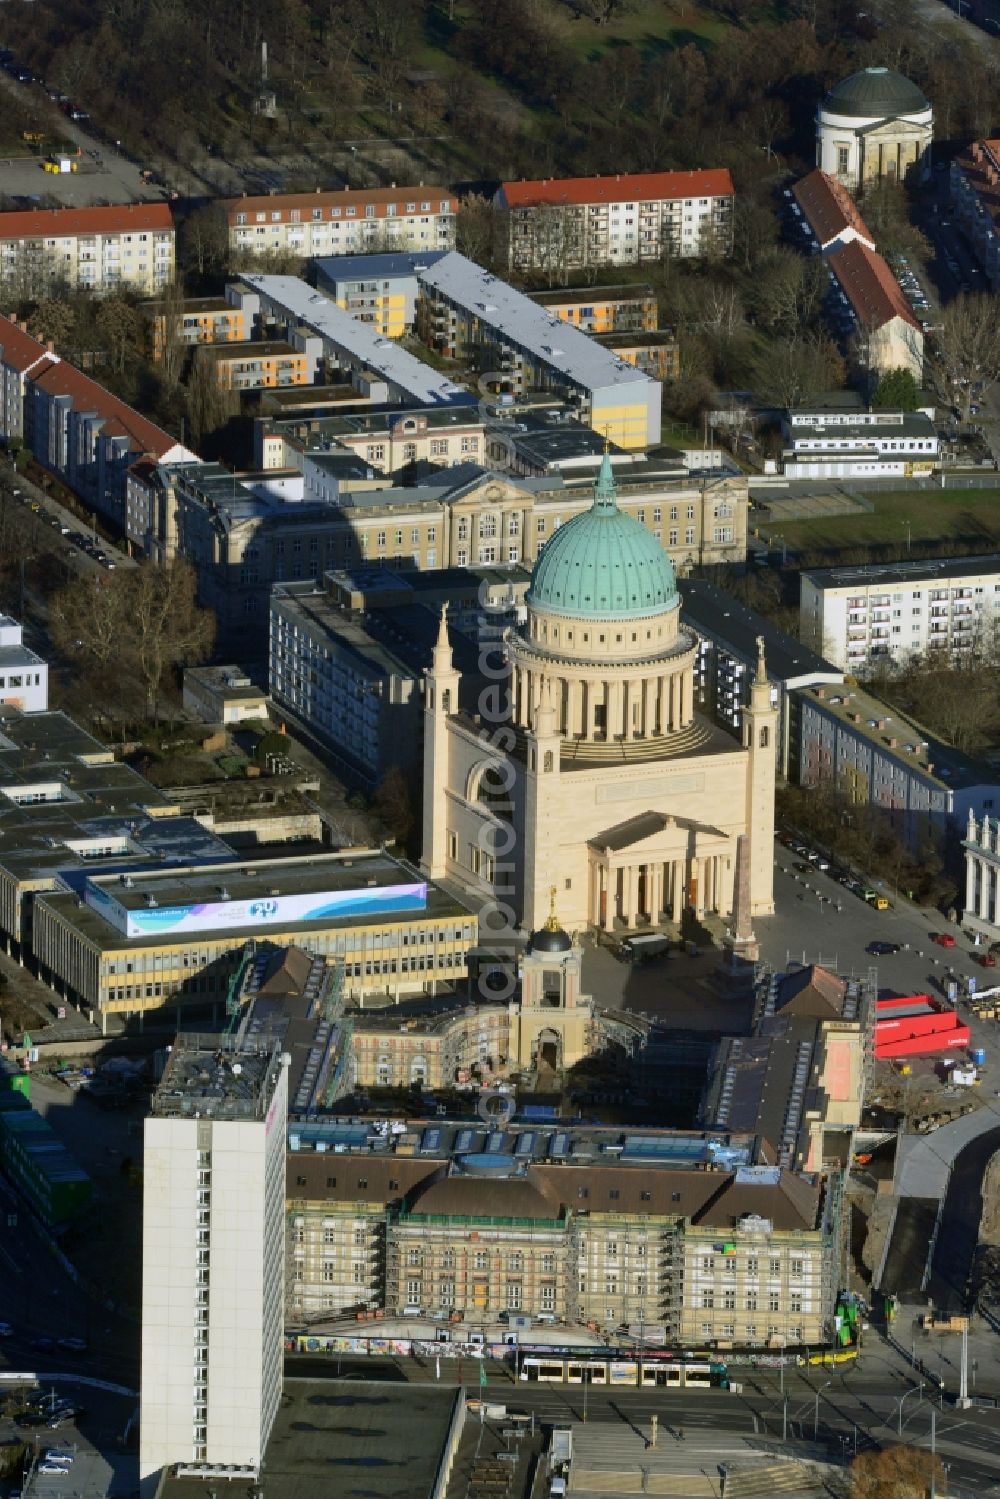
209	405
120	328
89	619
170	347
799	368
167	627
966	349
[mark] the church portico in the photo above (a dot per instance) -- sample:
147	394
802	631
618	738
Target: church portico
649	870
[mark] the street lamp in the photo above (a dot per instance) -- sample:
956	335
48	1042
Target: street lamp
816	1415
916	1390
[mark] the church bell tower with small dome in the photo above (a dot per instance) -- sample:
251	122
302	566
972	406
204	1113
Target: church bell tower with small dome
551	1022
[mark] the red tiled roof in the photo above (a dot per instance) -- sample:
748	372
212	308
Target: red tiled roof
979	164
641	186
829	208
870	286
342	199
52	223
119	420
19	350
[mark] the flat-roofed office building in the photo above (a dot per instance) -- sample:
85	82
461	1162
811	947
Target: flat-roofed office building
126	944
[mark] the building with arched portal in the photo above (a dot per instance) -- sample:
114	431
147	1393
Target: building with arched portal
874	126
587	769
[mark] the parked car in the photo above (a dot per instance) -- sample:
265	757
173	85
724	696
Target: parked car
54	1470
6	1329
943	939
43	1344
988	959
883	949
72	1345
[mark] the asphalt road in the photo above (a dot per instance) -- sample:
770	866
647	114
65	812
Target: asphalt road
855	1404
40	1299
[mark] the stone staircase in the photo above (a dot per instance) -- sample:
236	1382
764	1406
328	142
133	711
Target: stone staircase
598	752
783	1476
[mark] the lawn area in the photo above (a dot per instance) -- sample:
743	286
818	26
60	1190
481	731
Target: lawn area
968	516
680	435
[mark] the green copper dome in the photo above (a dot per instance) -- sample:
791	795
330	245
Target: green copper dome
603	564
875	94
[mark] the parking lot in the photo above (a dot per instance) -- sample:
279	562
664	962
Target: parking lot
71	1435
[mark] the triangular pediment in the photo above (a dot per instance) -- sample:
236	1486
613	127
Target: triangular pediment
655	833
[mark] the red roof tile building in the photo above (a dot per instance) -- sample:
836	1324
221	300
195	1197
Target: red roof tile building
95	249
352	221
829	215
975	192
887	332
564	223
75	428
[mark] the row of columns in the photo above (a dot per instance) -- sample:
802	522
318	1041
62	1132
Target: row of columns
654	890
982	887
633	707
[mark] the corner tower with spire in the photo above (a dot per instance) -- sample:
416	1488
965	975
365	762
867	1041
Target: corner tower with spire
441	684
760	728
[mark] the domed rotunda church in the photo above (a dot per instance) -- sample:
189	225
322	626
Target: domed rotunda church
874	126
588	776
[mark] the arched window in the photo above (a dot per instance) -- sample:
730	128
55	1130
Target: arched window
549	763
764	737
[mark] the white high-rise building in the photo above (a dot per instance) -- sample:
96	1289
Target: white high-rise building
213	1257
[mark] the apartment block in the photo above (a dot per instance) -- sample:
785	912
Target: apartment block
467	313
875	757
196	320
86	249
857	615
348	655
580	1225
376	289
975	194
603	309
728	636
656	354
213	1258
21	356
377	367
76	429
261	363
565	223
350	221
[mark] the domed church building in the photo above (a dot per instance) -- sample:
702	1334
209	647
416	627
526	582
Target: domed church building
874	126
588	772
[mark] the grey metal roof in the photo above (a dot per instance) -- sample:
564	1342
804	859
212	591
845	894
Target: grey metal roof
360	340
521	321
371	267
716	615
876	573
